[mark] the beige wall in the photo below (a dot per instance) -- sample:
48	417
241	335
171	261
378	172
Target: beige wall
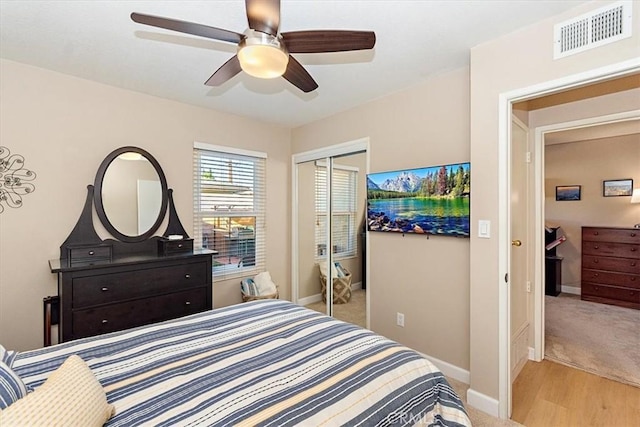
64	127
588	163
518	60
426	279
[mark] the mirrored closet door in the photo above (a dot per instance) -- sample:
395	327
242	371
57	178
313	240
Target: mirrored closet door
330	210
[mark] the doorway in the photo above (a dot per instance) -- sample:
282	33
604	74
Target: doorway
506	102
329	206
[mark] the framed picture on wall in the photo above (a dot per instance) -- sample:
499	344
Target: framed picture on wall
617	187
565	193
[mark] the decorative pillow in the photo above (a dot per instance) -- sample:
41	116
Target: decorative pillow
264	284
70	396
322	265
11	387
7	356
248	287
342	272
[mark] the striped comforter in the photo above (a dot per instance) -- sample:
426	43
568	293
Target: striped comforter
260	363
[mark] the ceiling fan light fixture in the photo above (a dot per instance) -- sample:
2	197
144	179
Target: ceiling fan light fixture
262	55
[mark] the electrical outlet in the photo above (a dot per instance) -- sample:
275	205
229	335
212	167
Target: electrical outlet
528	286
400	319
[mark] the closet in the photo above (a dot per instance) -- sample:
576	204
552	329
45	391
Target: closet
329	207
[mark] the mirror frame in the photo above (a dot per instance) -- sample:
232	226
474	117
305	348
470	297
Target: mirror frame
99	202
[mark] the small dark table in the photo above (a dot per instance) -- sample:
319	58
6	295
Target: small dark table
553	275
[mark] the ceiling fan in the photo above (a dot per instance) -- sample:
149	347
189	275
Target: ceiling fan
263	51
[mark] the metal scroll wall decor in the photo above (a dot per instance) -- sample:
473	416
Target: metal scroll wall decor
14	179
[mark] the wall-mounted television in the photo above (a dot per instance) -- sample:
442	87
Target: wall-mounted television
430	200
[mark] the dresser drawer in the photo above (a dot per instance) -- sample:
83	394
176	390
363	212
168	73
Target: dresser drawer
622	235
170	247
623	250
611	292
130	314
623	265
611	278
138	283
89	254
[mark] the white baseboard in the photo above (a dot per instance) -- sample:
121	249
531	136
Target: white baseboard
571	290
483	402
448	369
318	297
532	353
477	400
309	300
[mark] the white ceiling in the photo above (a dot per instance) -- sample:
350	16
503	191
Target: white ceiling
97	40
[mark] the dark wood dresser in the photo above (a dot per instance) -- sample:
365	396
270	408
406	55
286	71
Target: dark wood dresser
611	266
100	296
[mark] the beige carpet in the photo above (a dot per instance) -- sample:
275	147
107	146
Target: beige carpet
598	338
355	312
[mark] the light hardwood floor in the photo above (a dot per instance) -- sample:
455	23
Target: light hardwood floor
549	394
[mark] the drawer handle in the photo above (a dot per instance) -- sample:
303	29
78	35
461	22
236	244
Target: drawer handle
595	261
180	245
633	249
596	246
105	289
595	233
595	274
596	288
633	279
187	276
91	252
633	264
105	321
187	303
633	234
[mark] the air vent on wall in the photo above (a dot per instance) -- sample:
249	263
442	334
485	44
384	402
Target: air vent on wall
596	28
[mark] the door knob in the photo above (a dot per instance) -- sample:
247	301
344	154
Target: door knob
516	243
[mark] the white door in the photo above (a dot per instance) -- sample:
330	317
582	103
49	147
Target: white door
522	244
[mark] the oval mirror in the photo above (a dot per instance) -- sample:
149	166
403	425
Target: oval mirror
130	194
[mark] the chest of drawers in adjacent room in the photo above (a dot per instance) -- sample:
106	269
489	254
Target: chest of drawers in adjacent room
120	295
611	266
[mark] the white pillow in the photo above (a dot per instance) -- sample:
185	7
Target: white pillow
264	284
71	396
323	269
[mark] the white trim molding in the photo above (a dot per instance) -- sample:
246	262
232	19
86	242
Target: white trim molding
573	290
230	150
448	369
483	402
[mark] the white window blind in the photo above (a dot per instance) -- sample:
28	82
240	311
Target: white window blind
229	210
343	192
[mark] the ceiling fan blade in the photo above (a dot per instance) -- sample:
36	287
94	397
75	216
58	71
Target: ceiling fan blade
225	72
299	77
187	27
263	15
316	41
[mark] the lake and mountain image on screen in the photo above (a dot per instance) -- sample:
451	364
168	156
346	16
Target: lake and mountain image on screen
432	200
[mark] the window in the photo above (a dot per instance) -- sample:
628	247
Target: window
344	191
229	208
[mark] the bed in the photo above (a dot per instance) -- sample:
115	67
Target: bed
266	362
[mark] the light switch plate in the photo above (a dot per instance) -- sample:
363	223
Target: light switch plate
484	228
